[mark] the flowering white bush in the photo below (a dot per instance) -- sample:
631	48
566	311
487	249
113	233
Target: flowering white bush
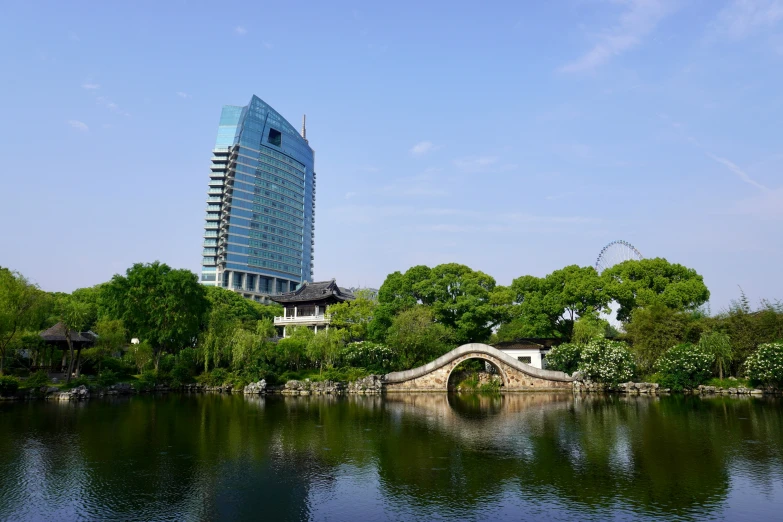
685	366
368	355
765	365
564	358
606	362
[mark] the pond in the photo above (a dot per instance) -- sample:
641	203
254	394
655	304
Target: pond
398	457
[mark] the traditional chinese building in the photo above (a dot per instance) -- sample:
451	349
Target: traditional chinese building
308	305
528	351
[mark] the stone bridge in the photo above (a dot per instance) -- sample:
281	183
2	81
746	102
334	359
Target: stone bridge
516	376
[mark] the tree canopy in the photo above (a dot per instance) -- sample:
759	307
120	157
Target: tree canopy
646	282
158	304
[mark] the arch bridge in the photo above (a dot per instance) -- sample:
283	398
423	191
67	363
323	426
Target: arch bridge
515	375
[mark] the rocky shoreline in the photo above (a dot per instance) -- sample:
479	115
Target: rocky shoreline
651	388
370	385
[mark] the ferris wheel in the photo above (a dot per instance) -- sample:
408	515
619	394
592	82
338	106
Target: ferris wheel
616	252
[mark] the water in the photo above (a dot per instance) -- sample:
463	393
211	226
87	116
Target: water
402	457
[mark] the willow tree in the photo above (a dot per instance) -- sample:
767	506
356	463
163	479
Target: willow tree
21	304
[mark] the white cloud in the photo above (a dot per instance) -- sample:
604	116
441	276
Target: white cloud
183	95
742	18
639	19
349	195
241	31
422	148
103	101
268	45
90	86
738	171
78	125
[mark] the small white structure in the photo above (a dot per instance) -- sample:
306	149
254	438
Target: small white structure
528	351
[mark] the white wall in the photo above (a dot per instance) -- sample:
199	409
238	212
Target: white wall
533	353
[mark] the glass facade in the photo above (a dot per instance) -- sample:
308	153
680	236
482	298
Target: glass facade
259	231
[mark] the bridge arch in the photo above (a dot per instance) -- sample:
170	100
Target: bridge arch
480	357
516	376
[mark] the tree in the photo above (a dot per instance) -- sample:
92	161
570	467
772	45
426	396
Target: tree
324	347
292	350
642	283
548	306
111	338
718	344
655	329
158	304
564	358
354	316
460	299
73	314
21	304
416	338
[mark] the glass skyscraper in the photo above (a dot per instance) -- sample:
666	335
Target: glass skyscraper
260	225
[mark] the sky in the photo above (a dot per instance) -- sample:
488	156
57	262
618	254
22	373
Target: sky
513	137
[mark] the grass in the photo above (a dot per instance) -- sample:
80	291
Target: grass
729	383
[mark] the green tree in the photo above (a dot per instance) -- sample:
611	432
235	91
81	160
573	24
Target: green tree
718	344
21	305
74	315
416	338
111	338
354	317
642	283
324	347
548	306
460	299
158	304
655	329
589	327
292	350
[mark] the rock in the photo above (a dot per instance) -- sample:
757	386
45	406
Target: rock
121	388
255	388
732	391
370	384
756	392
78	393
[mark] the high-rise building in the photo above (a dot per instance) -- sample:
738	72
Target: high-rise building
260	226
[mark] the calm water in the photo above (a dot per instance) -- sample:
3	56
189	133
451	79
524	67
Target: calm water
411	457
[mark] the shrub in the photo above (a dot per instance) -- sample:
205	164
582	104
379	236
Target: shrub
342	374
765	365
606	362
564	358
81	381
146	381
118	366
216	377
685	366
38	379
365	354
107	378
8	385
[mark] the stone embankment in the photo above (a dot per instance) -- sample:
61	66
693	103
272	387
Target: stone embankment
712	390
369	385
630	388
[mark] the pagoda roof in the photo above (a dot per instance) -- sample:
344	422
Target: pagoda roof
56	334
317	291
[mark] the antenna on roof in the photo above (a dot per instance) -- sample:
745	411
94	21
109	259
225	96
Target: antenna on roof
304	128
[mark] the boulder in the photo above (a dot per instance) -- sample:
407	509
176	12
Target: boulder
121	388
255	388
78	393
370	384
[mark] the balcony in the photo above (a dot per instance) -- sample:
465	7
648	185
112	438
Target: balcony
303	320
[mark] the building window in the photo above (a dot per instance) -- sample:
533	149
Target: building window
275	138
526	359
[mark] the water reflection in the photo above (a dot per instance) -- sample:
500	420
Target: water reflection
511	456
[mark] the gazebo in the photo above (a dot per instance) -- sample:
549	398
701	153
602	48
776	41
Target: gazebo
55	339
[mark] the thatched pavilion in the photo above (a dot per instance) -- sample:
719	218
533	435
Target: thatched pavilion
55	339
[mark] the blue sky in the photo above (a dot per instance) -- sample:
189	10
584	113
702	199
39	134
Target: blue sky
514	137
